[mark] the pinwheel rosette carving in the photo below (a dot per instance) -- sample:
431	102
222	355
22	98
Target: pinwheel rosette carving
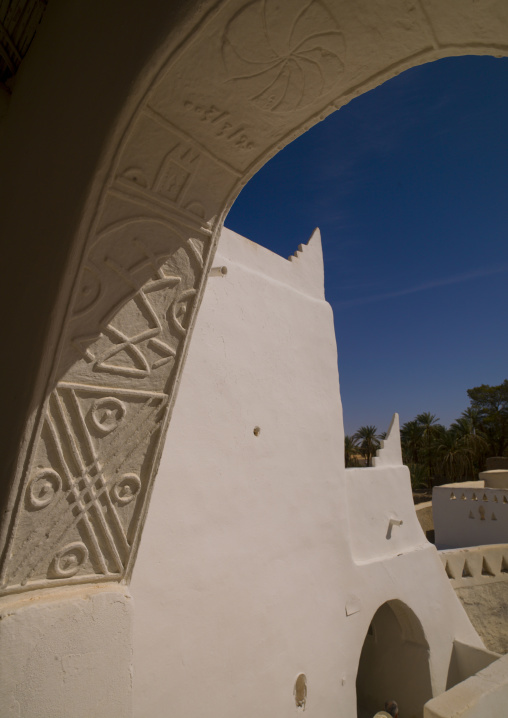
286	54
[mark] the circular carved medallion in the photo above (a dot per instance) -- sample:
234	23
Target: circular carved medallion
43	488
107	413
68	560
126	488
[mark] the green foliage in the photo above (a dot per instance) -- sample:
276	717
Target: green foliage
351	451
411	435
435	454
430	433
419	478
491	406
452	455
368	441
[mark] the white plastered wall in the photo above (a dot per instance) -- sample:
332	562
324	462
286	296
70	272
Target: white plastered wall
66	653
484	694
469	514
262	557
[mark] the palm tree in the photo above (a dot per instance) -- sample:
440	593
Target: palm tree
453	454
491	403
474	416
418	473
431	429
368	439
411	437
472	439
351	450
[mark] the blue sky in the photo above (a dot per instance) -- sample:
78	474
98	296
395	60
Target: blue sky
409	186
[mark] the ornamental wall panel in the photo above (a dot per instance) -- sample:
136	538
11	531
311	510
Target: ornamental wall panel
237	86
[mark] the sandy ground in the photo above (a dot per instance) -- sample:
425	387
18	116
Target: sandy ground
487	607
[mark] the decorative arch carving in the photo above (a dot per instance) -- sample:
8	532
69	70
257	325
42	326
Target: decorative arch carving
237	83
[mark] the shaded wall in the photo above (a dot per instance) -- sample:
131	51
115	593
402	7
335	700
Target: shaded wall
393	664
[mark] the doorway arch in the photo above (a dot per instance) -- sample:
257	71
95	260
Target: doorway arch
130	204
394	663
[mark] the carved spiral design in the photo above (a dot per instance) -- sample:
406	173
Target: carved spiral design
107	414
43	488
125	489
68	560
286	60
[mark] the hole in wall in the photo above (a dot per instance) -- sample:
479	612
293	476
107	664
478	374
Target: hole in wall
300	691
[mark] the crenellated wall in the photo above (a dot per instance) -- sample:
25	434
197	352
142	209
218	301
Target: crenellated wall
479	575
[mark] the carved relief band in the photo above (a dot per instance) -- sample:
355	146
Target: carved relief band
287	60
85	490
90	473
254	74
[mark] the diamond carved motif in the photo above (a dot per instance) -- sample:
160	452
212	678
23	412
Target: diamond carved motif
92	466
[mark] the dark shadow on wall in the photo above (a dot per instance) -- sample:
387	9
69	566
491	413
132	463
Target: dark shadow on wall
394	663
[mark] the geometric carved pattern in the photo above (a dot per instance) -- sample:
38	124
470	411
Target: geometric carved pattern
82	490
216	109
85	507
86	489
138	349
284	71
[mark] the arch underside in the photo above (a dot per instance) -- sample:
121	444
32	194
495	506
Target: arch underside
394	663
249	78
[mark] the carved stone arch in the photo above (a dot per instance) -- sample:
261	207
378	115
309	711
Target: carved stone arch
134	145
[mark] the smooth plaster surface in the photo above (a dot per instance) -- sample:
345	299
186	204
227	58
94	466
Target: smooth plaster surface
469	514
67	653
264	558
495	478
484	694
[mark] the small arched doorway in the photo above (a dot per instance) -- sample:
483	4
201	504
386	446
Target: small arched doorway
394	663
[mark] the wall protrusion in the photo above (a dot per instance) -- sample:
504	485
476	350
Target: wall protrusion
390	453
353	605
218	271
308	260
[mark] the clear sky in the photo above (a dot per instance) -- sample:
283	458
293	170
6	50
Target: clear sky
409	186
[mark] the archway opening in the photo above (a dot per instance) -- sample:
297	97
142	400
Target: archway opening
394	663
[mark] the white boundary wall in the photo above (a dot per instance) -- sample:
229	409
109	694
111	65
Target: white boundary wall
469	514
484	695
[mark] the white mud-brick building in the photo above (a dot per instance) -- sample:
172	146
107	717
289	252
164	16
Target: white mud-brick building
178	534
